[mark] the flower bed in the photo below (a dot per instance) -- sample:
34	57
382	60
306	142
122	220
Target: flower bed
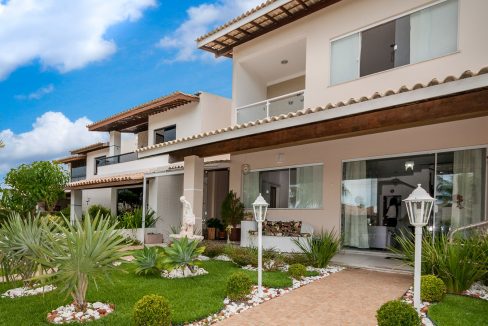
234	307
26	291
69	314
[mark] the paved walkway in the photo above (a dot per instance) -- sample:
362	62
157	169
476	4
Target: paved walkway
350	297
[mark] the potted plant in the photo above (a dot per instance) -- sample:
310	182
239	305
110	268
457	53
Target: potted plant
232	214
213	225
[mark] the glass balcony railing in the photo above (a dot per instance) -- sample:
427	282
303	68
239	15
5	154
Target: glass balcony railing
122	158
274	106
78	173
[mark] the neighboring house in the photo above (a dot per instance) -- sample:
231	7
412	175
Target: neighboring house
112	174
340	108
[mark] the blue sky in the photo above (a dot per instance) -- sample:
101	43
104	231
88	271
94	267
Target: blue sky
64	64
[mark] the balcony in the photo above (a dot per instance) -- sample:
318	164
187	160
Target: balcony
284	104
122	158
78	173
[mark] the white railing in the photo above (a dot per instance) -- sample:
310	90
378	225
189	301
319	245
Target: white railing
283	104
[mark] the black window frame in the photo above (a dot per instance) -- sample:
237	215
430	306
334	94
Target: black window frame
97	160
164	129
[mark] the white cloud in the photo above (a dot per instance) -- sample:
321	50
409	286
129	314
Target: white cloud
201	19
37	94
52	136
64	35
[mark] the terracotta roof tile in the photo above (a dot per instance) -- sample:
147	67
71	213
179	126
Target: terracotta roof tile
376	95
89	148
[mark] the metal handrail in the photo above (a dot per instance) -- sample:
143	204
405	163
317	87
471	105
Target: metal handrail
267	101
116	159
466	227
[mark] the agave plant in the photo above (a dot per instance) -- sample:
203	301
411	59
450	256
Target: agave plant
319	248
148	261
20	241
81	253
182	253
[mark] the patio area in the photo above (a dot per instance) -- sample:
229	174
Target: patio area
379	262
350	297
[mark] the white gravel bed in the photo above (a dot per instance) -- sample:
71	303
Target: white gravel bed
182	273
222	258
477	290
26	291
424	307
203	258
68	314
234	307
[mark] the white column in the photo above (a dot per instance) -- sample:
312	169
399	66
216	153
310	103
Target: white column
115	142
193	187
76	208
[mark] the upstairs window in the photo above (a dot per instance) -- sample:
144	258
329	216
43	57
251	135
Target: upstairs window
165	134
426	34
100	161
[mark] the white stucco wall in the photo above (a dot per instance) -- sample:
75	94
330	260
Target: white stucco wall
349	16
331	154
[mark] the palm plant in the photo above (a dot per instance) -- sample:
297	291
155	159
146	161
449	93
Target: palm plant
133	219
20	240
183	253
81	253
148	261
319	248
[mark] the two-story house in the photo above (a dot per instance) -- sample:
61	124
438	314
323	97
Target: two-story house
340	108
113	175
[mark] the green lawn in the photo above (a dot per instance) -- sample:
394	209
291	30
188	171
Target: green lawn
191	298
459	310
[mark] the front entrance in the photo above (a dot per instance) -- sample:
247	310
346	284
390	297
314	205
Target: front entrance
373	212
215	189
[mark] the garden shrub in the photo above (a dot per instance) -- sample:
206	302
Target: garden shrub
297	271
93	210
296	258
152	310
239	286
319	248
148	261
273	264
243	257
213	249
397	313
432	288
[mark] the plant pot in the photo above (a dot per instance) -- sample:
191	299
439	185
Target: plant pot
222	235
211	233
235	234
154	238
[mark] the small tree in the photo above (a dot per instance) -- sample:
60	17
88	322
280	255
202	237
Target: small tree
30	184
81	252
232	209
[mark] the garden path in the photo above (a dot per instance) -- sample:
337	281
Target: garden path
350	297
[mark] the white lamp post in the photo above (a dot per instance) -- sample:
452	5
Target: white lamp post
419	205
260	207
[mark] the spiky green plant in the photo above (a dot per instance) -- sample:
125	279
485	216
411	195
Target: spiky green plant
20	239
182	253
148	261
81	253
319	248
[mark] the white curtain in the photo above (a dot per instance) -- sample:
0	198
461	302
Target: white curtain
355	216
468	187
344	64
250	188
309	187
433	31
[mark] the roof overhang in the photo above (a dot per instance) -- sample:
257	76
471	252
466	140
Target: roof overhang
264	18
105	182
89	148
422	105
136	119
71	159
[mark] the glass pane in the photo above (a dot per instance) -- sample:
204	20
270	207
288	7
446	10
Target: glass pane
274	187
286	105
170	133
251	113
377	49
306	187
434	31
402	41
460	190
250	188
344	59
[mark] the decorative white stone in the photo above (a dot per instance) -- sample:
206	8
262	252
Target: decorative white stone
68	314
25	291
222	258
182	273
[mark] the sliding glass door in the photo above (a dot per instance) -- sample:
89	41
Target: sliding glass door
373	191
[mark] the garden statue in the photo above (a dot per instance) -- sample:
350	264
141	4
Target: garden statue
187	227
